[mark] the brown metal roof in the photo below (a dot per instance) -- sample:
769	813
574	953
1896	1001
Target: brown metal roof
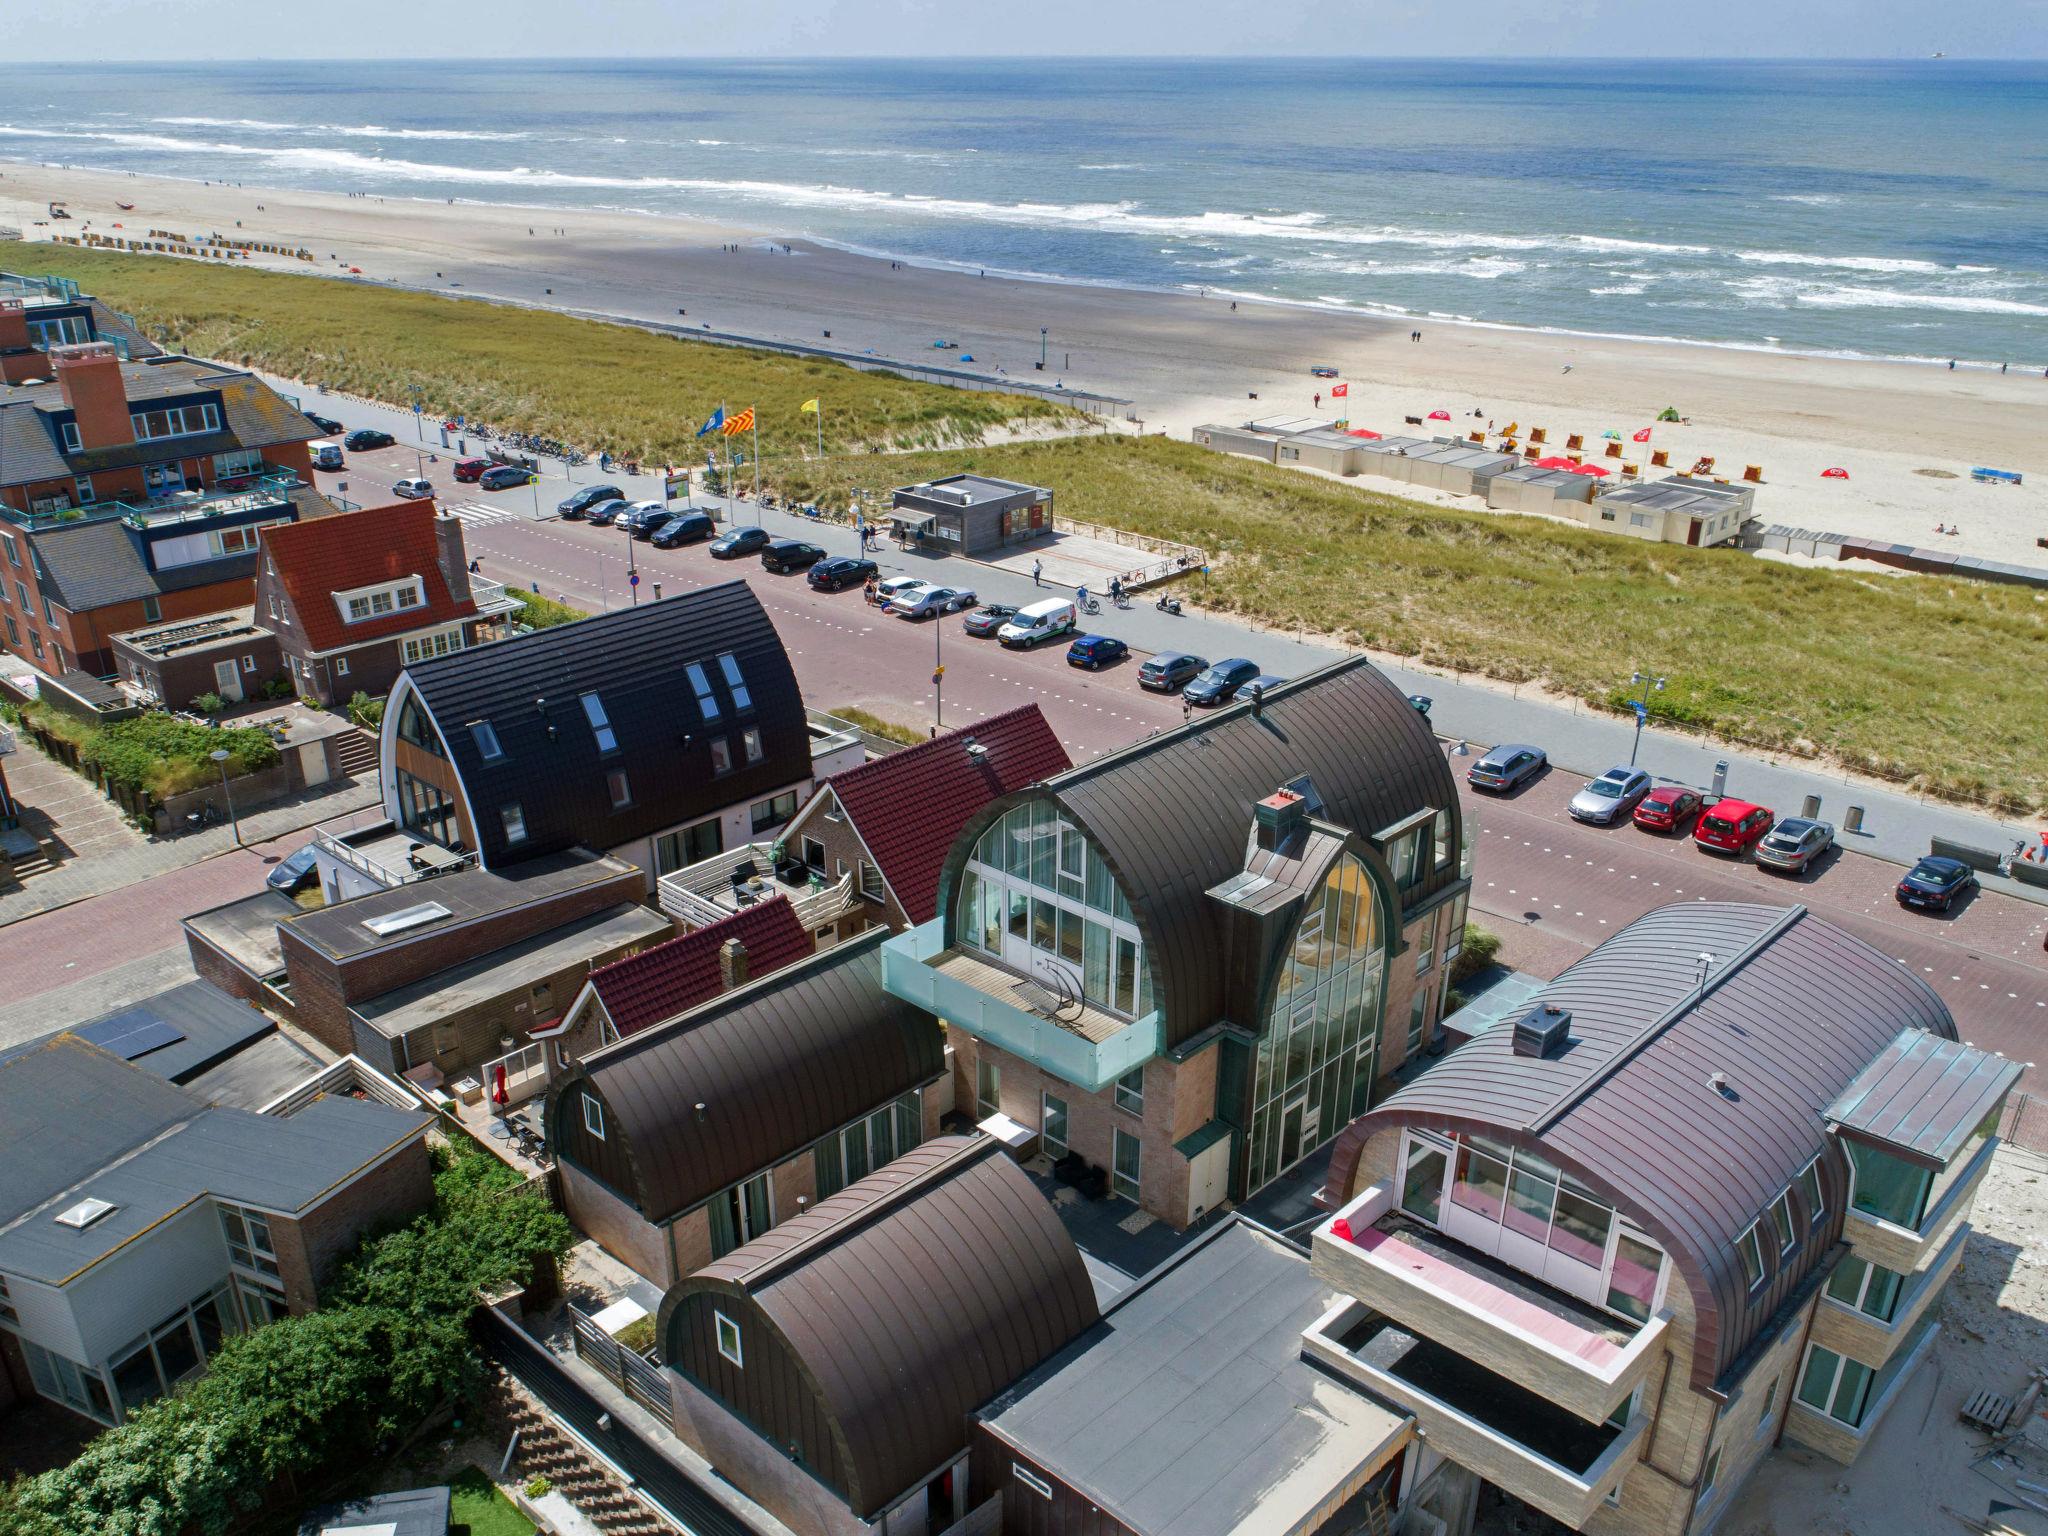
775	1064
1173	813
1923	1096
1793	1009
910	1299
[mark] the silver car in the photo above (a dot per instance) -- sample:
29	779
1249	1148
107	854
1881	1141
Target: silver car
1611	796
930	602
1506	767
1795	845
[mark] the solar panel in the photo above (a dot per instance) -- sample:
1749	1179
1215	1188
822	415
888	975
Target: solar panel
132	1033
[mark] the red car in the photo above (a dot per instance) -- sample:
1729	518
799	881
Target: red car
1667	809
1729	826
469	471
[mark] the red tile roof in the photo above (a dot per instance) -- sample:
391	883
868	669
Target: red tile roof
677	975
325	555
910	806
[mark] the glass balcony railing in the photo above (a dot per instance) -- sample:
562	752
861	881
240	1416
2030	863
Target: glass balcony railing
250	493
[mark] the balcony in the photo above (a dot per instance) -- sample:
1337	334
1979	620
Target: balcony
1082	1045
1523	1444
490	598
250	493
713	889
1578	1358
1908	1250
386	856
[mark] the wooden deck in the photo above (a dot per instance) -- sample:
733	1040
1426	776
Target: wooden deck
1092	1024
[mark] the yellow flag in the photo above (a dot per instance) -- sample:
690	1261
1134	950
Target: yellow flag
809	405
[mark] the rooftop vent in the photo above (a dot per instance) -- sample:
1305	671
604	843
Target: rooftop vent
1543	1030
85	1213
976	750
1277	816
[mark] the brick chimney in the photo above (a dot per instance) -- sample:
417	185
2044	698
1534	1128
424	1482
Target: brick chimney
1276	817
732	964
89	375
13	325
453	556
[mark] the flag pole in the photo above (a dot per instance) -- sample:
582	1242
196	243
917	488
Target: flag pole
820	414
754	428
728	463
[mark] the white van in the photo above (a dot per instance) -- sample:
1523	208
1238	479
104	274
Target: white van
1041	621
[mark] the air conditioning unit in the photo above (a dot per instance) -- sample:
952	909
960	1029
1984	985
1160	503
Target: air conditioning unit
1543	1030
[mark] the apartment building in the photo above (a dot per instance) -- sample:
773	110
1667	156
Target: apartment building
39	313
133	493
1701	1198
1187	963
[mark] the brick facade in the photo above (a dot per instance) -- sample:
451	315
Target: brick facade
840	850
308	1248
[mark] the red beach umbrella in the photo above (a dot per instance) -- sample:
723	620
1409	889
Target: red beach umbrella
1589	469
1556	461
1439	415
1834	474
1362	432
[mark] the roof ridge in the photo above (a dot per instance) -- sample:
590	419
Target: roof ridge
578	633
1686	1003
669	945
918	751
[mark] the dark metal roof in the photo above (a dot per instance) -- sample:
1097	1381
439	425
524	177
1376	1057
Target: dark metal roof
529	687
775	1065
178	1034
1172	815
67	1109
1190	1411
1793	1009
911	1298
1924	1096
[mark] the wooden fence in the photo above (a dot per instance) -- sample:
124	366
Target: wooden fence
638	1377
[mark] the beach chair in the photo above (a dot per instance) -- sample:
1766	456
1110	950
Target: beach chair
1476	437
1659	459
1536	435
1614	450
1754	474
1629	472
1532	452
1576	440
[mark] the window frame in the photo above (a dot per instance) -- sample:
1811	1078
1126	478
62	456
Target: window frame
600	723
1782	1219
721	1327
1814	1190
512	817
1126	1098
988	1075
1119	1138
619	787
593	1114
1749	1246
485	735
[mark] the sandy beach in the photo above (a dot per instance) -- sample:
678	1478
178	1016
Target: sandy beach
1908	434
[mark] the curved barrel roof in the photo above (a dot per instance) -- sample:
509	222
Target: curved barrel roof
1692	1108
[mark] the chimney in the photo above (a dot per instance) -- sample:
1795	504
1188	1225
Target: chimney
1277	816
732	964
454	558
89	375
13	325
1543	1031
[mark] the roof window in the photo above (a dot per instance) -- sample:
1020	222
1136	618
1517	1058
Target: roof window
741	699
600	723
707	701
486	738
85	1213
409	917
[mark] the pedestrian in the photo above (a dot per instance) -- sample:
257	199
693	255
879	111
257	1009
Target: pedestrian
1951	365
473	569
1319	400
2001	367
1038	573
1233	304
867	591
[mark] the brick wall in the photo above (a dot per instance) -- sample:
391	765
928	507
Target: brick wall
615	1226
308	1248
843	852
1403	983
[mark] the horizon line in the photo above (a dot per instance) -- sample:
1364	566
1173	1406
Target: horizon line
1219	57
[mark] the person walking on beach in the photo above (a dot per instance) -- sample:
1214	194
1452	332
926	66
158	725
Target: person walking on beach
1038	573
1319	400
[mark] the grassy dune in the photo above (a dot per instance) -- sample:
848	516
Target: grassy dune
1938	685
638	394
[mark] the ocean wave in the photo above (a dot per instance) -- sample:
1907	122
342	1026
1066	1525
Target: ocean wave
348	131
1113	165
1888	298
1812	199
1621	288
226	122
1847	263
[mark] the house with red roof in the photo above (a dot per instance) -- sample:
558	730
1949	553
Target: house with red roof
893	820
355	599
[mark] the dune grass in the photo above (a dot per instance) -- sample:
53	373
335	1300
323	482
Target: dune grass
1930	683
875	725
600	386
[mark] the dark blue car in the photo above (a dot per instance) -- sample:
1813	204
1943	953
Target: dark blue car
1093	651
1216	685
1935	883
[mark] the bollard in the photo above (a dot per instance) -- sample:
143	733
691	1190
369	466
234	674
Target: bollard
1852	819
1810	807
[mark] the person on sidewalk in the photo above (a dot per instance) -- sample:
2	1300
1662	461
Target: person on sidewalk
1038	573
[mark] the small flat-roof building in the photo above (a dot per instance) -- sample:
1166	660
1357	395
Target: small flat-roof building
969	514
415	1512
228	654
1682	509
1544	492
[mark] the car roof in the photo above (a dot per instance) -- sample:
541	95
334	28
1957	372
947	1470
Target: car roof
1942	862
1168	658
1664	794
1507	749
1729	806
1095	639
1621	771
1232	661
1795	826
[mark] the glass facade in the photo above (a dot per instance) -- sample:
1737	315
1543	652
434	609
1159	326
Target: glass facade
1887	1187
1314	1068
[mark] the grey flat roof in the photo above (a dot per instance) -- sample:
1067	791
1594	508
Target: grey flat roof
1189	1411
254	1076
1923	1096
177	1034
978	489
517	965
246	930
416	1512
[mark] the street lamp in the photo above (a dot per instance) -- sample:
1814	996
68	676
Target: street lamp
1042	332
632	568
1641	704
220	760
938	673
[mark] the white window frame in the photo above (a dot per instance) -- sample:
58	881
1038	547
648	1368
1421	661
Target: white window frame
73	443
600	723
1750	1245
1130	1101
1782	1219
593	1116
513	818
428	644
1118	1137
1031	1480
261	1257
1816	1196
734	682
722	1327
389	591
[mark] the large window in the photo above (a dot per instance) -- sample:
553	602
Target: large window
439	642
1124	1175
740	1214
424	808
248	1235
691	845
1130	1091
1838	1386
766	815
415	727
175	421
857	1150
1870	1288
67	1382
988	1087
1053	1125
174	1351
1887	1187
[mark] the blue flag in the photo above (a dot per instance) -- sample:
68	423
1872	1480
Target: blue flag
717	420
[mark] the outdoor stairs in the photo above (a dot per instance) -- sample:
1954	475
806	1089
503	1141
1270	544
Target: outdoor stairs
357	753
545	1451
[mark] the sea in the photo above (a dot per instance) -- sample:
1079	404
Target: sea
1894	210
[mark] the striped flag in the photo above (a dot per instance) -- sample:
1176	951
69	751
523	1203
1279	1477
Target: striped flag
744	422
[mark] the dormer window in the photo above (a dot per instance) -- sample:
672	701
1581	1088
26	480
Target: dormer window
359	605
175	421
73	443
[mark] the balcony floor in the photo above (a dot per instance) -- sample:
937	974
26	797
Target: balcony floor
1506	1292
1091	1024
1511	1411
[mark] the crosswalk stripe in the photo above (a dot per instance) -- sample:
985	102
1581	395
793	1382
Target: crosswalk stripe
477	512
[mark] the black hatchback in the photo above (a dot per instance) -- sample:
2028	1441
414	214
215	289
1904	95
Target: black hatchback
786	555
587	498
740	541
683	528
1221	681
840	572
365	438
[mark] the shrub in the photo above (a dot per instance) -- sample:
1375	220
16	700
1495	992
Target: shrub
1475	955
537	612
159	752
209	704
366	711
280	687
538	1487
875	725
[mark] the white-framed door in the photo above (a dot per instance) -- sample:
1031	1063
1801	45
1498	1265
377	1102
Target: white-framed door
227	680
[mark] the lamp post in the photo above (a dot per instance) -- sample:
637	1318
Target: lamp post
1042	334
632	569
220	760
938	673
1642	707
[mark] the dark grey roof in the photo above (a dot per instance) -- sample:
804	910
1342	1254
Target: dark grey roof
1924	1096
416	1512
909	1299
179	1034
67	1110
1172	815
1793	1010
529	687
92	565
1189	1411
776	1064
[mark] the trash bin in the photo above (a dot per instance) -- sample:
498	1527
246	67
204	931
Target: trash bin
1852	819
1721	779
1810	807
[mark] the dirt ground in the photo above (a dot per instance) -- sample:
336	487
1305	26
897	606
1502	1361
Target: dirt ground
1922	1463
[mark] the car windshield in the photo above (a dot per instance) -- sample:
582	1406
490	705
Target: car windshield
1606	789
1933	874
1719	823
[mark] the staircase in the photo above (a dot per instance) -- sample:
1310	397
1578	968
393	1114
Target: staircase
356	751
544	1451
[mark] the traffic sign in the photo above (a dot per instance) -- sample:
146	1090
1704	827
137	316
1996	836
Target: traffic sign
633	577
937	673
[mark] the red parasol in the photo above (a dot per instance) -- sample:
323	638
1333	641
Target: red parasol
1556	461
499	1096
1834	474
1589	469
1363	432
1439	415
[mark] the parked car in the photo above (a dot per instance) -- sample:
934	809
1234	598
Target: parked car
413	489
363	439
469	471
786	555
988	618
642	518
1729	826
326	424
1093	652
683	528
1220	681
839	573
930	602
1615	793
1668	808
892	587
293	871
1508	766
1795	845
738	542
1047	619
328	456
602	514
582	501
503	477
1935	883
1256	688
1170	671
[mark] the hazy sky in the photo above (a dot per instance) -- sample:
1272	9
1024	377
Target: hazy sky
1620	29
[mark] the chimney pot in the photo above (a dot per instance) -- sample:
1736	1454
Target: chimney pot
732	964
